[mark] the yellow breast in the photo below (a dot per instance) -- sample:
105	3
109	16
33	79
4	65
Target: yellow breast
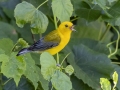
64	41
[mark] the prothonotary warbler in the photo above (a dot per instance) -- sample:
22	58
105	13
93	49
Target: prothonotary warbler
54	42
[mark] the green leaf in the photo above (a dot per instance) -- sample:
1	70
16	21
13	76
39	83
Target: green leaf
22	42
69	69
91	30
32	71
78	84
39	23
4	58
7	31
62	9
61	81
44	83
117	69
115	78
14	68
6	45
89	65
115	10
92	44
105	84
2	51
101	3
24	84
48	65
27	13
88	14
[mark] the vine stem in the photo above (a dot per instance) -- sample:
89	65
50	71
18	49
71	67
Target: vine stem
55	21
107	29
116	43
65	58
41	4
7	81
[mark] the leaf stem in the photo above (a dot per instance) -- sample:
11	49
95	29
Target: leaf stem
55	21
7	81
115	62
107	29
65	58
41	4
100	32
117	41
52	87
74	19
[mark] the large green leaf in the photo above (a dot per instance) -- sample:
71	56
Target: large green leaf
61	81
7	31
24	84
48	65
27	13
88	14
62	9
6	45
32	71
115	10
91	30
14	67
78	84
92	44
89	65
101	3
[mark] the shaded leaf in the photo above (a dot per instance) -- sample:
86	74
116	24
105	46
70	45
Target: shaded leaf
7	31
91	30
92	44
48	65
115	10
78	84
61	81
89	65
62	9
88	14
101	3
24	84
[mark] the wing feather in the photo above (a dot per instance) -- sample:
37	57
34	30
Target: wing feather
47	42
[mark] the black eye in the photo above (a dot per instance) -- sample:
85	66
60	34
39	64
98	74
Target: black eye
66	25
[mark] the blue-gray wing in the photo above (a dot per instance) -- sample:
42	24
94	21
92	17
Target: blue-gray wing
47	42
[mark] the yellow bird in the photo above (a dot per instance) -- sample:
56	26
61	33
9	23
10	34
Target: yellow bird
54	42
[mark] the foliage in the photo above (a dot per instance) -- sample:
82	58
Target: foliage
88	62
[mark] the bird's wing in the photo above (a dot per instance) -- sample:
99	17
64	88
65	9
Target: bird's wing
47	42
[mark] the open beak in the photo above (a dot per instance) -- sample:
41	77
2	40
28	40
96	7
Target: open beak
72	28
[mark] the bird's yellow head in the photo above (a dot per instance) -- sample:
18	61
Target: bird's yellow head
66	27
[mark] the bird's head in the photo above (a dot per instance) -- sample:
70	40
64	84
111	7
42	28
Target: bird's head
66	27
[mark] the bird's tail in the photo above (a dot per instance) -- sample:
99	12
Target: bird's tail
23	51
